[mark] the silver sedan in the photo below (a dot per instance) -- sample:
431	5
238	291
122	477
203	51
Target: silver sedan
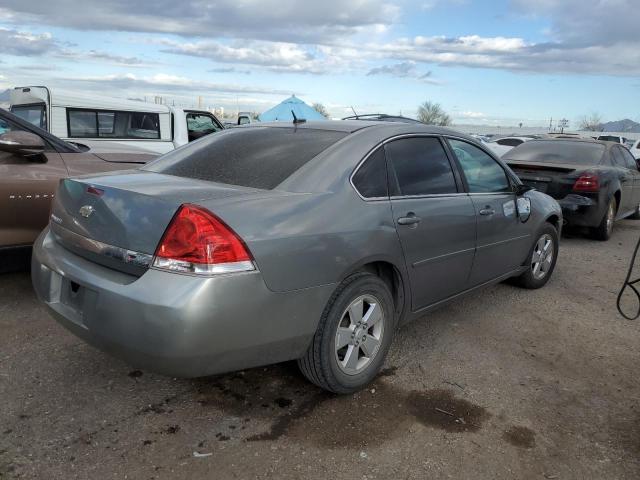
275	242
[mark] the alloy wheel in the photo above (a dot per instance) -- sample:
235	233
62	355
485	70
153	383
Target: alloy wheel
542	257
359	334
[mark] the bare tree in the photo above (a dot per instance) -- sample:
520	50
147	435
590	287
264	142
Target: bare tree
591	122
432	113
321	109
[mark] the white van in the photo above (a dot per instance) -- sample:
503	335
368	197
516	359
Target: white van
95	120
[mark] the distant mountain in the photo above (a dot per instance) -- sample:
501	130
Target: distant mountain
621	126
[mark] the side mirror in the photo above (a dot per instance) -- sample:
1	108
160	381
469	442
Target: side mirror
23	143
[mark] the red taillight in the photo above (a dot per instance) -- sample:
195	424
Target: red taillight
588	182
197	241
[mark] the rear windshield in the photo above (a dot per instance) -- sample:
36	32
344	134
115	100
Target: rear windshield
557	151
609	138
257	157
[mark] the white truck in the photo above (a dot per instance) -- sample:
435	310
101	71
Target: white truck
96	120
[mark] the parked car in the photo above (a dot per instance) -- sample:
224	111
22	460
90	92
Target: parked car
635	149
97	120
32	162
502	145
595	182
311	242
613	138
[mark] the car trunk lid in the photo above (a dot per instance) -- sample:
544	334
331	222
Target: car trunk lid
118	220
554	179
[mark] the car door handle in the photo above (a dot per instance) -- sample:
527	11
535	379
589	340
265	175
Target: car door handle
410	219
487	210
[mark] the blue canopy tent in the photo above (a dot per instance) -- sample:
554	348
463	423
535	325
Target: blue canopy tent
282	111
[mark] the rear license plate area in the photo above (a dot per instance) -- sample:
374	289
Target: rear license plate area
74	296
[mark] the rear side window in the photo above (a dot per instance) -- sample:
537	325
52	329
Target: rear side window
371	178
618	159
85	123
483	173
419	166
629	161
257	157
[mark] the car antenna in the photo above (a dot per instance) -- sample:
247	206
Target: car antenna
354	111
297	120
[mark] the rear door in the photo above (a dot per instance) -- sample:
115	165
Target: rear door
627	179
434	218
503	241
632	166
26	189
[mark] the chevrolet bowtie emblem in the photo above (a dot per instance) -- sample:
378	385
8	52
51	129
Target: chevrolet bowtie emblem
86	211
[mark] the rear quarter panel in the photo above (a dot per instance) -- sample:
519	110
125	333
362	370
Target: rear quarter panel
303	240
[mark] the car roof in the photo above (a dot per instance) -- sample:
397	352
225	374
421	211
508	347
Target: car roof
351	126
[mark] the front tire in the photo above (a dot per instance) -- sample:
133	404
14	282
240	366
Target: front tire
605	228
353	336
542	259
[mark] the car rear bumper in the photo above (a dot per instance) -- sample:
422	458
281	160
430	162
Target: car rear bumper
581	211
178	325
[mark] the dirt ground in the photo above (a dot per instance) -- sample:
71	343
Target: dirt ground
506	383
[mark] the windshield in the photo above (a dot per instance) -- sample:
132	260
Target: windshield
34	114
557	151
257	157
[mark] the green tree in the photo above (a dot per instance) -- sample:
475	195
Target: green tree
321	109
432	113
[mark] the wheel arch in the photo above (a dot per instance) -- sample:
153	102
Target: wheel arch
395	278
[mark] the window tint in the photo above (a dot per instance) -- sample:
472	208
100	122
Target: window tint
629	161
108	124
371	178
557	151
258	157
419	166
618	159
200	124
34	114
483	173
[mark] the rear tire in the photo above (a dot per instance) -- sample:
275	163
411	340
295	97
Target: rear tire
353	336
541	260
603	231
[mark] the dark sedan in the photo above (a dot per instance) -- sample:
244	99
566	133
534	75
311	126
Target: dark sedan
595	182
277	242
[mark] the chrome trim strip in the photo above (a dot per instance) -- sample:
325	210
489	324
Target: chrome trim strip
378	145
123	255
501	242
419	263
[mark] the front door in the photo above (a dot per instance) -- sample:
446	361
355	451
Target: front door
503	241
434	219
26	189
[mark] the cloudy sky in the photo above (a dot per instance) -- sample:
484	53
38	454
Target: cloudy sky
487	62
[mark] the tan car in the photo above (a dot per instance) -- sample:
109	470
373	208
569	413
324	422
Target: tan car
32	161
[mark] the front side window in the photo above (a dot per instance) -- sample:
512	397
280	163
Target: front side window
34	114
200	124
483	173
371	178
109	124
419	166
